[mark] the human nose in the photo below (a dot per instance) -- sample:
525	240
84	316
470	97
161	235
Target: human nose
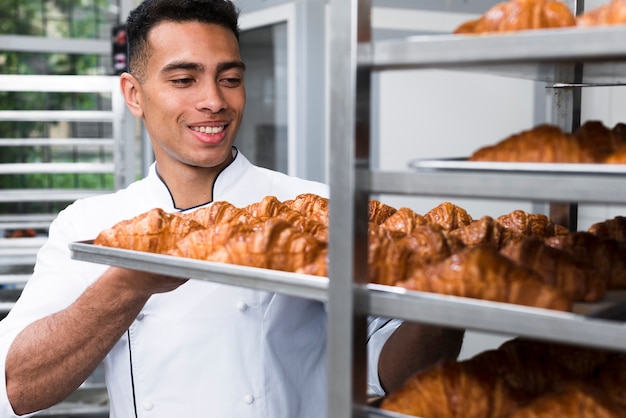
211	98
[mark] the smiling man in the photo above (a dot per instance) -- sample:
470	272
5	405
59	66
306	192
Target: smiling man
173	347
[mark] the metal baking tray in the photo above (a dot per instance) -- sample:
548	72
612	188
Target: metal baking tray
587	325
293	284
464	164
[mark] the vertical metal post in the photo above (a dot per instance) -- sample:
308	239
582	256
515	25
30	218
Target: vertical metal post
349	144
566	109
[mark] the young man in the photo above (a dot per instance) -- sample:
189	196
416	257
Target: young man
173	347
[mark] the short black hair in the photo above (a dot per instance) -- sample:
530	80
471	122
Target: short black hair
149	13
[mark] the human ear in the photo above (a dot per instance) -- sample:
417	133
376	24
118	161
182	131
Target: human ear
131	90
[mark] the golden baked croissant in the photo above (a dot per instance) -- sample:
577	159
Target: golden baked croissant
403	221
379	212
449	216
521	378
606	254
613	228
531	224
579	280
219	212
612	13
388	260
485	230
598	140
575	400
541	144
428	245
154	231
618	156
515	15
313	206
272	244
481	272
454	390
271	207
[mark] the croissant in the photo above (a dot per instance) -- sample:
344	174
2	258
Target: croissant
271	244
598	140
541	144
516	15
527	370
481	272
403	221
579	280
612	228
531	224
618	156
575	399
606	254
219	212
311	205
485	230
388	260
271	207
154	231
428	244
454	390
379	212
555	362
449	216
612	13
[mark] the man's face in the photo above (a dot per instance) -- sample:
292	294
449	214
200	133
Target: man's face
193	95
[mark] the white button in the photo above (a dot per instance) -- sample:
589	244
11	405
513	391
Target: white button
248	399
242	306
140	316
147	406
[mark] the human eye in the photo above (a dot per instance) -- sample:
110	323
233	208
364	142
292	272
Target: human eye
182	81
231	81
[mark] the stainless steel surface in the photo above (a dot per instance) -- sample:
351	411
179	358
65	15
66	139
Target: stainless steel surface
292	284
534	54
463	164
584	326
345	332
526	186
498	317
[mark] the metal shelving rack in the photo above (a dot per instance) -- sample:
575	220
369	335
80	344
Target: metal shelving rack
556	57
546	56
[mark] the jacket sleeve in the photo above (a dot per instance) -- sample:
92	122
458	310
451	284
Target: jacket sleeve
379	329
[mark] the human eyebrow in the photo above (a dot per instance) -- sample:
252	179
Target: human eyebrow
182	65
224	66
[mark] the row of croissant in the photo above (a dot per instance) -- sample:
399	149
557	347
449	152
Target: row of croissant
519	257
519	379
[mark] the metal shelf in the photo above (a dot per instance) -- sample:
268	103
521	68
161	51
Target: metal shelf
388	301
533	54
516	185
292	284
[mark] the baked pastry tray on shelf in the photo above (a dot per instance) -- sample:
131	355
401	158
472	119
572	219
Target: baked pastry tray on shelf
596	324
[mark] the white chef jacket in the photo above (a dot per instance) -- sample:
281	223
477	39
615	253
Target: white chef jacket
204	349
